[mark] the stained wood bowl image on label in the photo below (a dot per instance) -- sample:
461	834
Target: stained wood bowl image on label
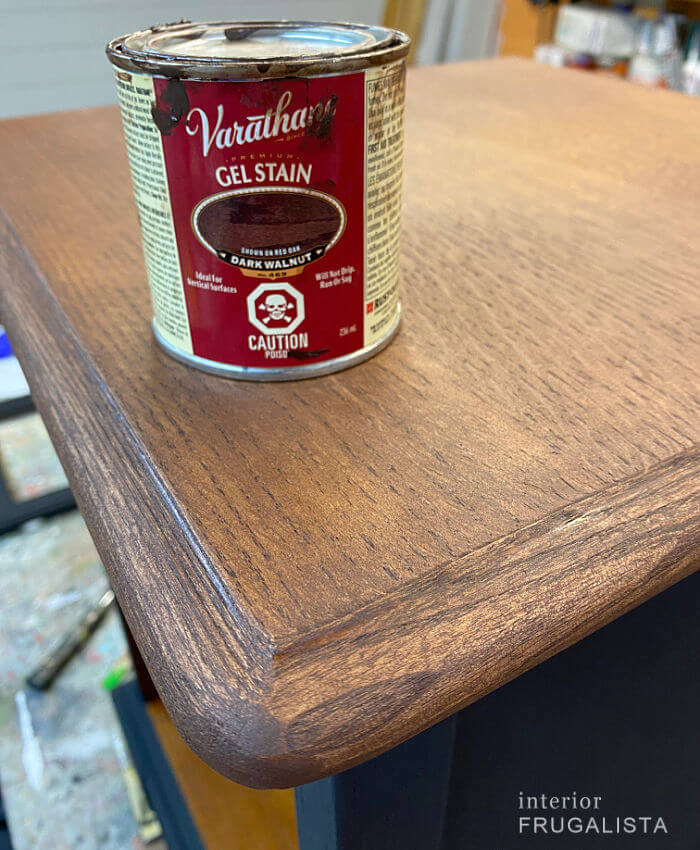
269	232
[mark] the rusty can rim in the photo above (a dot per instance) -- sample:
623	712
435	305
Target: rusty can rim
144	52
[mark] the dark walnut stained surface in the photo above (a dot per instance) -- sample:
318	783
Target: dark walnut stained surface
315	571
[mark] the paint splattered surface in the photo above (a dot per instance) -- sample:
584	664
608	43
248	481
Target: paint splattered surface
29	463
61	778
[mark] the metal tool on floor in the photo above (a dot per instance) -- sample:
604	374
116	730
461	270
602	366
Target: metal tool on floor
43	676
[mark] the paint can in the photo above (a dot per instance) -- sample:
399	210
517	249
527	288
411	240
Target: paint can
266	161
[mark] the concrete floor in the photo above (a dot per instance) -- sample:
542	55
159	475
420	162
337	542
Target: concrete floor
61	751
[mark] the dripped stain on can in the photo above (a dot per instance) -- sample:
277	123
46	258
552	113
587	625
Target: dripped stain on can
240	33
171	107
246	32
322	117
308	355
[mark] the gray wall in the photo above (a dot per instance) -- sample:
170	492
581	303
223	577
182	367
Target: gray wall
52	51
455	30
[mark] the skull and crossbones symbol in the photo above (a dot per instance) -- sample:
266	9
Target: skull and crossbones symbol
276	307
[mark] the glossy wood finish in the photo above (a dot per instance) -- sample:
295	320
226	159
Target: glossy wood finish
316	571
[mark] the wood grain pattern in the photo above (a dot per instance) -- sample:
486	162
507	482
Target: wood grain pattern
316	571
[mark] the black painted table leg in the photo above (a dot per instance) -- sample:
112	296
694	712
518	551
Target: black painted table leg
154	770
609	726
394	802
606	732
12	513
143	677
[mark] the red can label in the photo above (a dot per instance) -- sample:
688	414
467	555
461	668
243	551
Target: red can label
270	212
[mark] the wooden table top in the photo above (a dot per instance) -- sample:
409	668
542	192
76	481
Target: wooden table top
315	571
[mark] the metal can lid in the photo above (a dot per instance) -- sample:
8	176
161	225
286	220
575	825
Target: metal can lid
240	50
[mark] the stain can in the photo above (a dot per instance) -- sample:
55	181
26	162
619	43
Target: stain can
266	162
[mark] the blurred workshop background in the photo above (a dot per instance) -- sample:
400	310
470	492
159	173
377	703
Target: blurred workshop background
51	50
61	749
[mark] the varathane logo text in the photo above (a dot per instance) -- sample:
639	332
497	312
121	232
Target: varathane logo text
580	814
275	122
